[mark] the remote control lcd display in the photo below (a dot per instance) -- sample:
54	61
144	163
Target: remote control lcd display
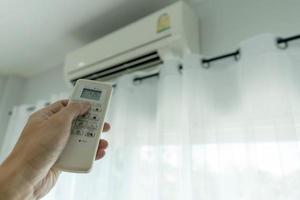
91	94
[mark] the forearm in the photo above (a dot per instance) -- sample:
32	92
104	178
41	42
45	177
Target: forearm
13	180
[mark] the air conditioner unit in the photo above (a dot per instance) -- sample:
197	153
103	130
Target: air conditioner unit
138	46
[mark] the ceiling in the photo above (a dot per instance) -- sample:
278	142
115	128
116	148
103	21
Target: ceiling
35	35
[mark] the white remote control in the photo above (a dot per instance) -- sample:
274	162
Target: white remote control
80	151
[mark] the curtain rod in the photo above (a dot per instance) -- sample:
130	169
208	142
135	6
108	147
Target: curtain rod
137	79
283	43
29	109
141	78
236	54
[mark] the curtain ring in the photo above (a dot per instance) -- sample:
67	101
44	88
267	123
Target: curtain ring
180	68
137	81
281	44
237	56
205	64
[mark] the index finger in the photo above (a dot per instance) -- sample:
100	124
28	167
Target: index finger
55	107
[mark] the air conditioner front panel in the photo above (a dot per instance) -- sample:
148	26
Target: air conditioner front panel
136	40
130	37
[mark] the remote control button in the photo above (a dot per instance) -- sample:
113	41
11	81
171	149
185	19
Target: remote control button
90	134
95	117
82	140
77	132
92	125
97	109
80	124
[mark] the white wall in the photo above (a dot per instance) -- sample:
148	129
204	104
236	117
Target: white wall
224	23
42	86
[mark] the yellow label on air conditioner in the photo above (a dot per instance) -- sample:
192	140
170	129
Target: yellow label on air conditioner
163	23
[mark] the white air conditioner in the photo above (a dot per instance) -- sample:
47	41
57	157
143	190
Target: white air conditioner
140	45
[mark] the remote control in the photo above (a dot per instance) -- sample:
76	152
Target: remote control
80	151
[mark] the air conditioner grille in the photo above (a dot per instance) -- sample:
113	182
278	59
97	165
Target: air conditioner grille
141	62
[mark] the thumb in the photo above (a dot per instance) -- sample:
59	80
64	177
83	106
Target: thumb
74	109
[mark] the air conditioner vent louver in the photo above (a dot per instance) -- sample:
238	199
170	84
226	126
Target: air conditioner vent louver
141	62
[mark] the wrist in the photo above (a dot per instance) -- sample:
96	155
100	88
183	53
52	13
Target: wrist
14	182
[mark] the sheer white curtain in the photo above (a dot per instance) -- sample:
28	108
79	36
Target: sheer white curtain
16	124
17	121
230	132
244	122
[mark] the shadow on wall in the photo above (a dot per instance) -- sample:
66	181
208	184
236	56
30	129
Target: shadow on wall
115	18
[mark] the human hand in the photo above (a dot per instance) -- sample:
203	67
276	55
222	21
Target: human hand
40	145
